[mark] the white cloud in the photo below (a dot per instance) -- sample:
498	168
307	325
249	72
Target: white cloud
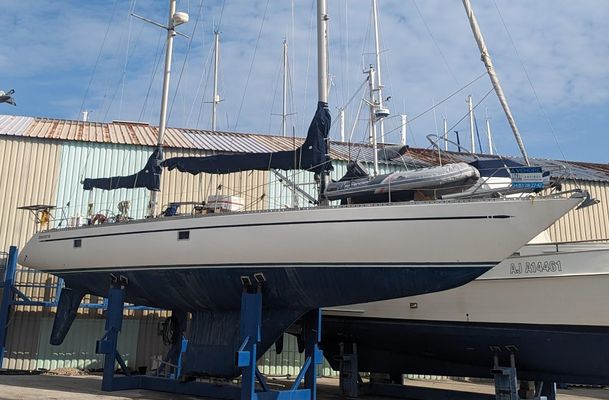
53	47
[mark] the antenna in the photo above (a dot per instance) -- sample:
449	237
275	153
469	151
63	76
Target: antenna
216	99
470	111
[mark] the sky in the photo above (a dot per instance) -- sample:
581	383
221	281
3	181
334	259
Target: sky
551	56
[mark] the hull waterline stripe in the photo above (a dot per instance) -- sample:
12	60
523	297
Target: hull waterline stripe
282	223
278	265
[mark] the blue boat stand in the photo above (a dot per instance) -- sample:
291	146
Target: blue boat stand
245	357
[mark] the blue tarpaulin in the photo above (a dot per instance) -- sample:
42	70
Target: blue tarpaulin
311	156
149	177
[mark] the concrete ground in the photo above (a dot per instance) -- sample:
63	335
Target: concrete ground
48	387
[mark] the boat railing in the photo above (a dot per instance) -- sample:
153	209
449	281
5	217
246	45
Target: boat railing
296	209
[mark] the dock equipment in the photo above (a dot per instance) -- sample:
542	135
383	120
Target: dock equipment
245	357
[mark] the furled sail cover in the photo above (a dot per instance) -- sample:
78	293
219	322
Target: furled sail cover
149	177
311	156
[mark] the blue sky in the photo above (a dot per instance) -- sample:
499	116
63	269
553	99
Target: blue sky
61	57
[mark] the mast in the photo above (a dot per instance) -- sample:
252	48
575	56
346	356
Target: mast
489	136
216	98
373	107
404	121
472	134
486	59
322	79
284	110
445	134
341	124
322	51
174	20
377	52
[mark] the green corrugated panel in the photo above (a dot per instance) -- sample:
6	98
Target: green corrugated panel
81	160
289	361
78	348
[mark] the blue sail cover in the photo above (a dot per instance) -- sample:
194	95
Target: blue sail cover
312	155
149	177
495	167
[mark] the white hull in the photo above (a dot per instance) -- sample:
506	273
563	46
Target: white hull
542	286
406	233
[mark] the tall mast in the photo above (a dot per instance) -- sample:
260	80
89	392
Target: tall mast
377	52
472	134
404	127
322	51
486	59
322	78
174	20
489	135
373	108
341	124
445	134
216	98
284	111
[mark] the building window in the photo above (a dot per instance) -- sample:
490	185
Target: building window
77	242
183	235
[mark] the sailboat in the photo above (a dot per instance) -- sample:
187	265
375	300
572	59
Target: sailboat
541	309
305	258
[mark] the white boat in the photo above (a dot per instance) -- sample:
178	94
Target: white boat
545	304
308	258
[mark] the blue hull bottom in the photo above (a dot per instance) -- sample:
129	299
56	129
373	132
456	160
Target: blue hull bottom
286	287
213	296
567	354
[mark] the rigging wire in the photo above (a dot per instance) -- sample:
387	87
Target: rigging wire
249	74
99	54
301	121
185	62
465	116
124	75
526	72
207	77
158	55
450	71
275	88
440	103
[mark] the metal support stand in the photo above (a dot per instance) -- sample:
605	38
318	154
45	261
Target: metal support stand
246	356
506	381
108	345
7	298
349	373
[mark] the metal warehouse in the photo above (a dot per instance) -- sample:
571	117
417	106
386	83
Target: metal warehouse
44	160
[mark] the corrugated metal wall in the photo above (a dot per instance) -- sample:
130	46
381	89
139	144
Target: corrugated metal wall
591	223
29	176
22	341
93	160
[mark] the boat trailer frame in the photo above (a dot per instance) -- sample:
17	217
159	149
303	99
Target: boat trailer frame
245	357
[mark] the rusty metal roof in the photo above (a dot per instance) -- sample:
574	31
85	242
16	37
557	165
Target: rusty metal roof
137	133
